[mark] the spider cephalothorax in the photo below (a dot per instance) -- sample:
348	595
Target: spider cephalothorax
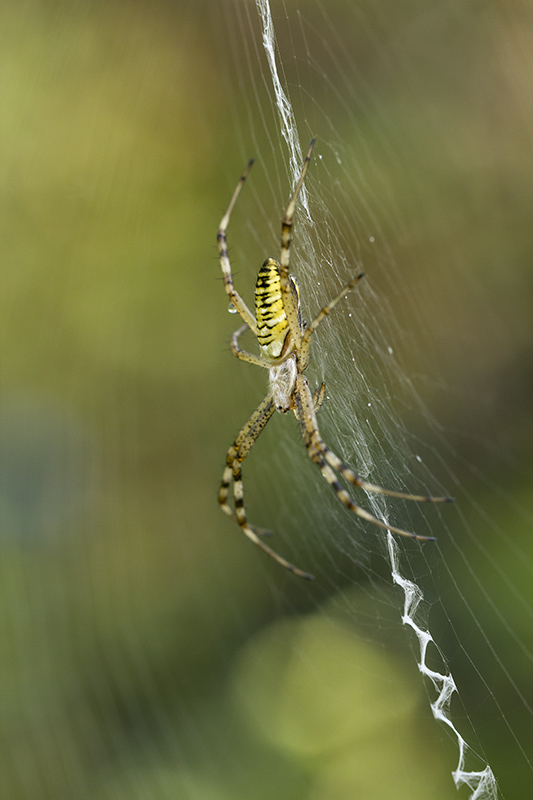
284	340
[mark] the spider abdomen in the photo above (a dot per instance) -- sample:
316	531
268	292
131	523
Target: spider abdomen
272	323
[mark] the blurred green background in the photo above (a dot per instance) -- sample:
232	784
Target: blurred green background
147	650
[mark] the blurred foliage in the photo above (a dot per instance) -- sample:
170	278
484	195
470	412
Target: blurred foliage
146	651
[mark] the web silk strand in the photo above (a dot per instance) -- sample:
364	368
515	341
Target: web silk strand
287	119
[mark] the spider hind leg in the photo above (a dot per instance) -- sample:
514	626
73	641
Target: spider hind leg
346	500
348	474
233	472
327	462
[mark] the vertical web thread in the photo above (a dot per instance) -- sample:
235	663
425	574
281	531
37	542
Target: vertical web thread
483	783
285	111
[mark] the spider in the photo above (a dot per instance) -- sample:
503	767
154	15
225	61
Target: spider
284	340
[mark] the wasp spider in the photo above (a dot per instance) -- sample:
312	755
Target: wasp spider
284	341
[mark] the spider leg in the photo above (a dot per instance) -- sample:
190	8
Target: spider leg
334	461
287	294
232	293
240	449
233	472
318	397
304	351
286	225
243	354
317	449
345	498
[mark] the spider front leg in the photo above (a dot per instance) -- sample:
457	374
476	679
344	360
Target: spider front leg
290	303
286	225
233	472
232	293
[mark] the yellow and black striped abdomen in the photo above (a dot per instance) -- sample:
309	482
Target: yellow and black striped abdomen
272	324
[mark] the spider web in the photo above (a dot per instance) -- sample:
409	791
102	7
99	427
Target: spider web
149	650
343	227
482	782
